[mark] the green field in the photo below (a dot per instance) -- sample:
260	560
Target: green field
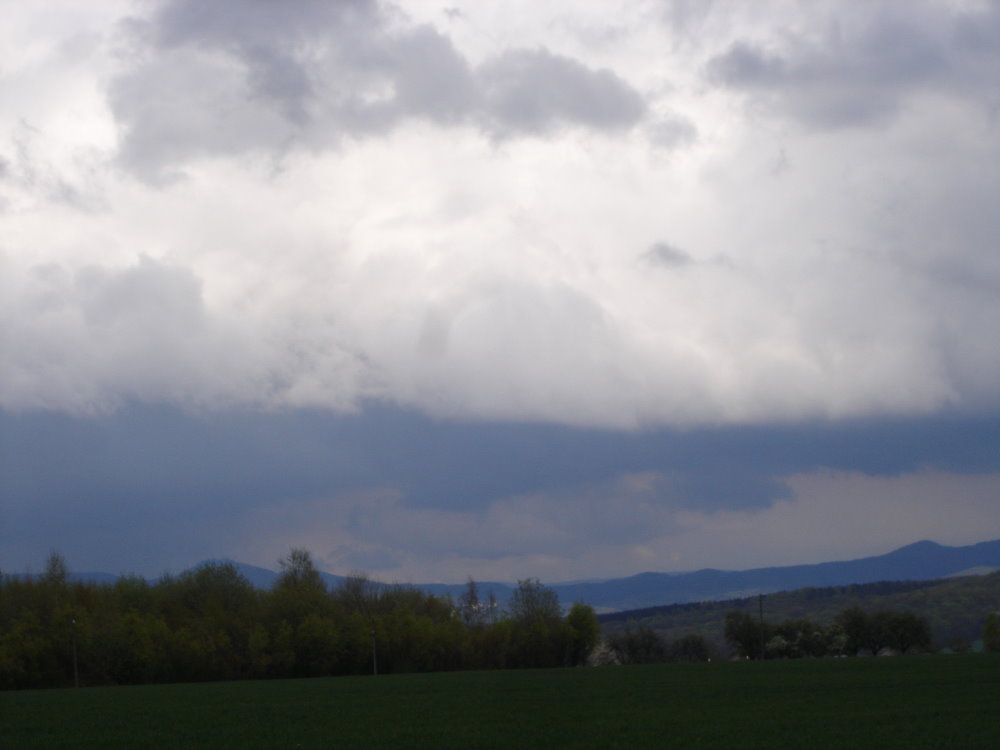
910	702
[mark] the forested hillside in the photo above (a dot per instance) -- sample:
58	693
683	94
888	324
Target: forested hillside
955	608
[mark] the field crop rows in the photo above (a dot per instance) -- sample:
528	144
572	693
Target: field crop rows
911	702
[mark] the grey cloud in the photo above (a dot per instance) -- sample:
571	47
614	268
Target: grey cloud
534	90
279	78
820	92
177	107
745	65
275	76
664	254
432	79
672	132
275	42
260	22
858	70
977	32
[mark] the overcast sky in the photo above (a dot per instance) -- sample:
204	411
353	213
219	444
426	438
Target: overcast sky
497	288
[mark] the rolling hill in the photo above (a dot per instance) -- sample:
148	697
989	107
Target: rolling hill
954	607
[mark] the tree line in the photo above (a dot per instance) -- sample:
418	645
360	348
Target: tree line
643	645
853	631
211	623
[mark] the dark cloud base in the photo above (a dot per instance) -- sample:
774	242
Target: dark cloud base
155	488
150	455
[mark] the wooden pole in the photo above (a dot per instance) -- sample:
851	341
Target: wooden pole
760	603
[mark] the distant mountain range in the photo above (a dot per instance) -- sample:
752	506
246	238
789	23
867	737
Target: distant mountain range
915	562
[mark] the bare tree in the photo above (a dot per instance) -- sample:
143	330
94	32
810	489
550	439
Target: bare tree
470	606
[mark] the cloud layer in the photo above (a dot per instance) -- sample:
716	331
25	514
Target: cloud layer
313	204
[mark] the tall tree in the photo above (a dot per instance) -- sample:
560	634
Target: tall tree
745	633
585	633
56	572
853	621
298	569
539	637
532	602
907	631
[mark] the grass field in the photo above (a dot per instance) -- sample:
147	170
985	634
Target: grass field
912	702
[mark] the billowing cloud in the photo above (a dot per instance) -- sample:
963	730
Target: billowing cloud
241	77
356	202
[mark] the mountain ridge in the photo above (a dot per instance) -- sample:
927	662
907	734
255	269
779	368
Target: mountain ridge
920	560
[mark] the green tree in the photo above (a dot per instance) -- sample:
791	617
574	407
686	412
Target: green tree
211	611
585	632
689	648
315	644
299	590
26	654
491	647
360	597
640	646
853	623
879	632
901	631
906	631
798	638
539	636
746	634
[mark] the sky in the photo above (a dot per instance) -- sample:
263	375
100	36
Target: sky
507	289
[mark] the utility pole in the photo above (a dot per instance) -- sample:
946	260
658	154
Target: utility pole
760	603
